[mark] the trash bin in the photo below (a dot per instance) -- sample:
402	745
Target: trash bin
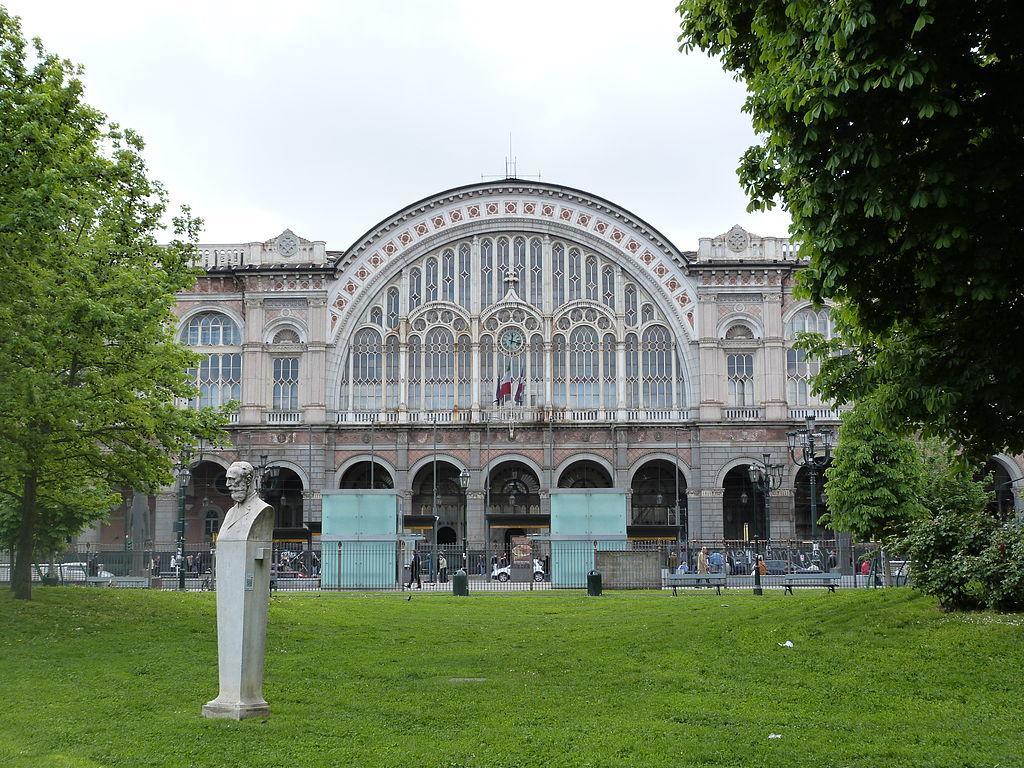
593	583
460	583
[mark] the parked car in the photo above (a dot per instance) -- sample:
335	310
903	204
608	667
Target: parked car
505	573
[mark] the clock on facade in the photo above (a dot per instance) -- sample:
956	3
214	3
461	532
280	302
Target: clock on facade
512	341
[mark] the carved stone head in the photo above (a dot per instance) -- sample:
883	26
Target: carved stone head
241	481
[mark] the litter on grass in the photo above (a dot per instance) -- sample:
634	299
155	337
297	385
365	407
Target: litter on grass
774	735
787	644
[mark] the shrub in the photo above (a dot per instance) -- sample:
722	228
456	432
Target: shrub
1001	568
944	551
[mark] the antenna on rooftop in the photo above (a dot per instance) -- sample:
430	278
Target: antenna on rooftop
511	167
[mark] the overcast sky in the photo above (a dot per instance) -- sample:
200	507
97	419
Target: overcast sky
326	117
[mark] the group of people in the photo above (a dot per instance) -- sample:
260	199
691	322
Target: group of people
415	568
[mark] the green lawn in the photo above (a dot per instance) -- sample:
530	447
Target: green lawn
92	677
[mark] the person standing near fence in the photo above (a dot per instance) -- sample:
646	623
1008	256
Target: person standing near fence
702	560
414	571
442	568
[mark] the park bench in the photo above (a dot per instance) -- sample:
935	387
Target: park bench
716	580
124	582
827	580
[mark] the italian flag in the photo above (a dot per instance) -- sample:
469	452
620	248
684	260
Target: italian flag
504	386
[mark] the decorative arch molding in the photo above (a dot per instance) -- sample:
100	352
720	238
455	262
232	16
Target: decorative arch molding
213	459
459	464
282	323
739	318
533	207
211	306
437	306
797	306
352	461
731	465
285	464
1012	468
600	308
557	474
505	458
660	456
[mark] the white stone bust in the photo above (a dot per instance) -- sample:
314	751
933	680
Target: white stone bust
241	482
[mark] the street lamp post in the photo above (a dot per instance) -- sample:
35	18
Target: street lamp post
764	478
809	440
464	485
184	473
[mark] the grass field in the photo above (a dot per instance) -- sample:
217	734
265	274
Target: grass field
92	677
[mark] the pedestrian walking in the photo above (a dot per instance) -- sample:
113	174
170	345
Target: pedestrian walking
414	571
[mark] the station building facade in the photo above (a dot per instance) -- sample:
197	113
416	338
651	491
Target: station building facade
487	344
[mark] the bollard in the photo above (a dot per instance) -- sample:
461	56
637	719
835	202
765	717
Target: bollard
593	584
460	583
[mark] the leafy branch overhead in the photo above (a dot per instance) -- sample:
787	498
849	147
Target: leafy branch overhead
893	132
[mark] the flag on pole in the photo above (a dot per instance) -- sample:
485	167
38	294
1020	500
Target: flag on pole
519	391
504	386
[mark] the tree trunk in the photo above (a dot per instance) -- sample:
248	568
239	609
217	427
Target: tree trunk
21	579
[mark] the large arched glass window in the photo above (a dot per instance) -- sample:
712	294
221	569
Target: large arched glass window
631	304
809	320
366	370
218	377
503	263
608	287
487	383
592	289
583	368
439	370
286	384
519	265
575	274
536	369
801	369
657	367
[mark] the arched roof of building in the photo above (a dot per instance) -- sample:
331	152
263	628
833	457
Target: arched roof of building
519	205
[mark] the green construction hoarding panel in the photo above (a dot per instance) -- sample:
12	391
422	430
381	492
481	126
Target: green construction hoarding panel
352	563
581	514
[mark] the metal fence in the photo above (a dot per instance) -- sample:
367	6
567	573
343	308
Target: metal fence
544	565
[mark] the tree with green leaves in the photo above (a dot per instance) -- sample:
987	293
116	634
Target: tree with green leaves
893	133
874	480
89	367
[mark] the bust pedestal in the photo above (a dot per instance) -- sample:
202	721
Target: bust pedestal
244	554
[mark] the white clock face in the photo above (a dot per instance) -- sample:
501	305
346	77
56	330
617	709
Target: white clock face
512	340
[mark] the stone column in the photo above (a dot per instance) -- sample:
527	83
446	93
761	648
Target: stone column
774	360
166	516
315	406
254	389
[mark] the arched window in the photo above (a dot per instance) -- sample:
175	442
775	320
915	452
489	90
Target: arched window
608	287
415	288
503	264
415	372
536	273
519	259
366	370
800	370
632	372
809	320
218	377
575	274
286	383
557	275
212	329
286	336
211	523
741	380
609	371
646	313
486	273
393	305
631	302
391	373
465	366
439	370
377	316
657	367
448	275
592	278
558	370
431	275
465	273
583	368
